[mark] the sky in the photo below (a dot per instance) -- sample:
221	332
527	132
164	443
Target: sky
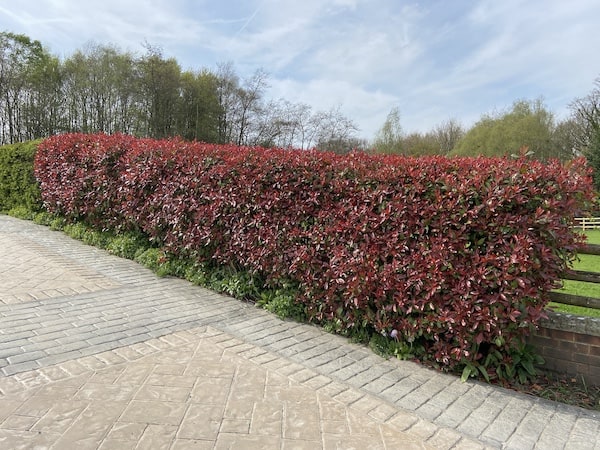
433	60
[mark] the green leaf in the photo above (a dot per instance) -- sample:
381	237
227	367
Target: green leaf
528	365
466	373
485	374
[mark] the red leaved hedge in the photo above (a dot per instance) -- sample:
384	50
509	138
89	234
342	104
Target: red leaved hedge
457	254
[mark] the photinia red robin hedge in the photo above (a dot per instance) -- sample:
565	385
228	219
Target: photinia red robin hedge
457	254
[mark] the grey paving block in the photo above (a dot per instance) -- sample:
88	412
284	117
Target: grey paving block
46	336
74	337
14	350
431	412
25	366
138	330
350	373
396	392
129	340
375	383
453	416
43	346
24	357
12	339
66	348
585	432
106	338
423	393
99	348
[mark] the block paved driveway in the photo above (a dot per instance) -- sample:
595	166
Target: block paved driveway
97	352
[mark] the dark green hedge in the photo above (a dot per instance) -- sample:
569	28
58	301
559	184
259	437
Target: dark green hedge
18	186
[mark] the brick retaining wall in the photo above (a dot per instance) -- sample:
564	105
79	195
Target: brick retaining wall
570	345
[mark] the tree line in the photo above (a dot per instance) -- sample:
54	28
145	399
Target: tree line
527	127
527	124
102	89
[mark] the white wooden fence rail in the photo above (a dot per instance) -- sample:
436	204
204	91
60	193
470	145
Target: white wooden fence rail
587	223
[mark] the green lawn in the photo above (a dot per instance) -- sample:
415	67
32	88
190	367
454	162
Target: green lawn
585	262
593	236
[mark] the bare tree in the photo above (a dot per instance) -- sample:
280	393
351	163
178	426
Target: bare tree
274	125
448	134
241	103
249	105
295	124
585	112
334	131
303	131
586	115
228	83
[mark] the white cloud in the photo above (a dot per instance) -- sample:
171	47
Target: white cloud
433	59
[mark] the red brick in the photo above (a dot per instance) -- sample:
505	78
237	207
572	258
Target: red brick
558	365
560	354
593	361
562	335
589	339
575	347
566	352
539	341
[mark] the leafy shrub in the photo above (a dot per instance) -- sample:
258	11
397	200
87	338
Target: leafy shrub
282	302
390	346
518	364
18	186
53	221
237	283
21	212
76	230
197	273
454	257
127	245
56	223
154	259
